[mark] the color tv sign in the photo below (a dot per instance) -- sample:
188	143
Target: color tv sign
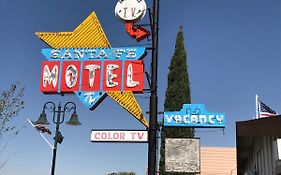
139	136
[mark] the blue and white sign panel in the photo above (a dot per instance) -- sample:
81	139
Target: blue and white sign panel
121	53
196	116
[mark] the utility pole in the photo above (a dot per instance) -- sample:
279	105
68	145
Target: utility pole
152	135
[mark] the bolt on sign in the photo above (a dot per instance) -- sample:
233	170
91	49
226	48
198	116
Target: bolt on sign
194	115
83	62
119	136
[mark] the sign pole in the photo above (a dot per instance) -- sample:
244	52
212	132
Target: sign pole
56	141
152	139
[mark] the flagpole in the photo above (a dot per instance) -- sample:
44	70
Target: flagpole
40	134
47	141
257	107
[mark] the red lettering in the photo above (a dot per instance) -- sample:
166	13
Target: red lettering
97	135
122	136
133	135
109	136
104	135
115	135
140	135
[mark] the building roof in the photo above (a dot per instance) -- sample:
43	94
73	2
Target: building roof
260	127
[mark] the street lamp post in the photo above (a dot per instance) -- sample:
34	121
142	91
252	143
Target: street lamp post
58	119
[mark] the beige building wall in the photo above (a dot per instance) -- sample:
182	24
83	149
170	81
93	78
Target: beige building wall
218	161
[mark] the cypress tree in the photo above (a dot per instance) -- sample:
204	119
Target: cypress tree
177	94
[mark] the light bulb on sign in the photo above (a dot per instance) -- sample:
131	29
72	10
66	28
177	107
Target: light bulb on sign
130	10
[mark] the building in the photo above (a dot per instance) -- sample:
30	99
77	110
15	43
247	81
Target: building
257	146
186	155
218	161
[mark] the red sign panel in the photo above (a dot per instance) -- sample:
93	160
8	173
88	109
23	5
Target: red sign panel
91	76
70	76
50	76
112	76
133	76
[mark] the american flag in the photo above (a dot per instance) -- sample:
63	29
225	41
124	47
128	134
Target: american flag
39	127
266	111
42	128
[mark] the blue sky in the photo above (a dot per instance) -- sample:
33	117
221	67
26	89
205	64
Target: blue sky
233	50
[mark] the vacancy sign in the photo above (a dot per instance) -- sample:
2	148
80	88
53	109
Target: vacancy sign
194	115
119	136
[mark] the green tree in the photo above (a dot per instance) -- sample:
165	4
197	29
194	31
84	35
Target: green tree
11	102
177	94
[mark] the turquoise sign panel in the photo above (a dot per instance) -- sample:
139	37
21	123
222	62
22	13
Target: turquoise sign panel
91	99
121	53
195	116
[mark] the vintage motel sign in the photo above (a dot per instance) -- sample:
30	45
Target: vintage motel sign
194	115
83	62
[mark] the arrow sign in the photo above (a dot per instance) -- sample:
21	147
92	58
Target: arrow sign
139	33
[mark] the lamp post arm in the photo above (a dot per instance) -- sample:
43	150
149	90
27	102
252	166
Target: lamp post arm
67	108
52	108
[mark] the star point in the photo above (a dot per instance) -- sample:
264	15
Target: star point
89	34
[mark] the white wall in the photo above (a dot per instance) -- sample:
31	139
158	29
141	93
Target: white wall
264	155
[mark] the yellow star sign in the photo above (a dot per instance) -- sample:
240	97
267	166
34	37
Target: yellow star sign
89	34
